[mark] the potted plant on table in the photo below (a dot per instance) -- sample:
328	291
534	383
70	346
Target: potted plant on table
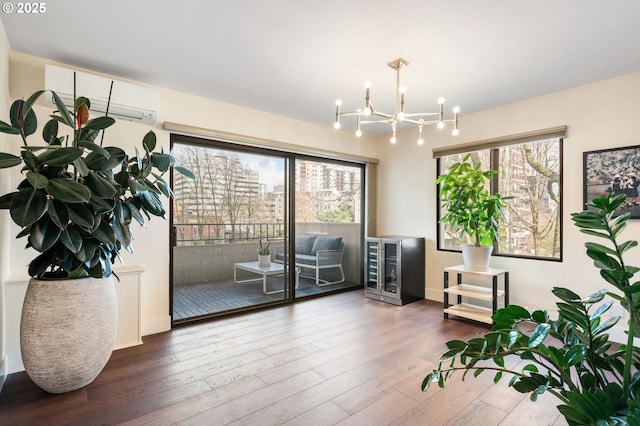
264	254
76	205
471	209
597	383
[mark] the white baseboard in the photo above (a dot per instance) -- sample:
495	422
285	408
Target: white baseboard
3	372
156	325
435	295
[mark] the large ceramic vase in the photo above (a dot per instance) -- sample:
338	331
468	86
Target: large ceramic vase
476	258
67	331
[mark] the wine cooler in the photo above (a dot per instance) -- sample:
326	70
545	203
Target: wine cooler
394	268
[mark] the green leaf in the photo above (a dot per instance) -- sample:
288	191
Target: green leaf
65	116
105	234
122	233
71	238
161	161
42	262
58	213
27	206
186	172
95	148
96	161
149	141
7	128
28	104
50	131
60	156
44	234
81	216
68	190
538	335
22	118
100	186
9	160
81	166
99	123
37	180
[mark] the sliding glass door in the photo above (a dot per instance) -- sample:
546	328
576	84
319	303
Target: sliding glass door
328	228
235	206
304	214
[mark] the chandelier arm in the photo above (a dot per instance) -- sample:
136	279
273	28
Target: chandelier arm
383	114
421	114
351	113
376	121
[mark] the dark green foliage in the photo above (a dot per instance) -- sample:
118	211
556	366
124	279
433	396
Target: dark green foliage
78	198
569	357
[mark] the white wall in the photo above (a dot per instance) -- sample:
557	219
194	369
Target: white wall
4	187
151	245
598	116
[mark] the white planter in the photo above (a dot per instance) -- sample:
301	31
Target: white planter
264	260
476	258
67	331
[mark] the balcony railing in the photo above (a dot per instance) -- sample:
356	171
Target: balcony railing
189	234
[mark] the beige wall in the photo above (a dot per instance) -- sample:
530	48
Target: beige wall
598	116
4	187
152	244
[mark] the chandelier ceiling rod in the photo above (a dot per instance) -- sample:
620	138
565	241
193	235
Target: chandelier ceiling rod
400	115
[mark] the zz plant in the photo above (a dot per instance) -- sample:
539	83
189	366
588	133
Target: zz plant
597	383
79	198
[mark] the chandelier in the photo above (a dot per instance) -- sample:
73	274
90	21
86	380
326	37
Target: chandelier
400	115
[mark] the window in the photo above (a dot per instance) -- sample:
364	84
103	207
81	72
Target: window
531	172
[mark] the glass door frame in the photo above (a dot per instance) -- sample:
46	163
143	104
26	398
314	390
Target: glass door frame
289	294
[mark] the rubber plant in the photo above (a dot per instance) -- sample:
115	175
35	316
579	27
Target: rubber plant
596	382
470	207
78	199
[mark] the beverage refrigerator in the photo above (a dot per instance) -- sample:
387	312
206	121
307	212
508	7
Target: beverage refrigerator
395	269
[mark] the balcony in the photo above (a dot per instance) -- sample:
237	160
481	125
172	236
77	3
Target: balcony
203	258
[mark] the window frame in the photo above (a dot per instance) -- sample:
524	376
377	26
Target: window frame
494	158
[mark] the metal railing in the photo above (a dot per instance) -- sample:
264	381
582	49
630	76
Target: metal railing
223	233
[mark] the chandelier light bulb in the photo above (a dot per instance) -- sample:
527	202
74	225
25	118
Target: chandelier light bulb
338	102
336	125
367	84
402	89
393	139
367	111
455	132
358	133
440	124
420	141
400	116
456	110
441	101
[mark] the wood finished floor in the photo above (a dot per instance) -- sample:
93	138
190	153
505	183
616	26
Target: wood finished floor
341	359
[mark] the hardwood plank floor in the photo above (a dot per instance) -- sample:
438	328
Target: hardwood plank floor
336	360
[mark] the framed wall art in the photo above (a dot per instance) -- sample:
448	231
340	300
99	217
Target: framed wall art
614	170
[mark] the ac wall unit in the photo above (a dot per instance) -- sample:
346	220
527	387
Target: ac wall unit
128	101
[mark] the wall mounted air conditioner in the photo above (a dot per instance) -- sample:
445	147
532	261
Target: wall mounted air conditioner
128	101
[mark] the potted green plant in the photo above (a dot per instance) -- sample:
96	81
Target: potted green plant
76	205
597	383
264	254
471	209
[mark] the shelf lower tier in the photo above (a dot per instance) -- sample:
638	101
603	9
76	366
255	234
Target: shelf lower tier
468	290
473	312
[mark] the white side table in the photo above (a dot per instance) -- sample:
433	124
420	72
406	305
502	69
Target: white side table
475	292
273	269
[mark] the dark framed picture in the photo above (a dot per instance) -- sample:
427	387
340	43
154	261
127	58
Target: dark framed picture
614	171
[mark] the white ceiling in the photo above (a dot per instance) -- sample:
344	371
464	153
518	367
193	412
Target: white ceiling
295	57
